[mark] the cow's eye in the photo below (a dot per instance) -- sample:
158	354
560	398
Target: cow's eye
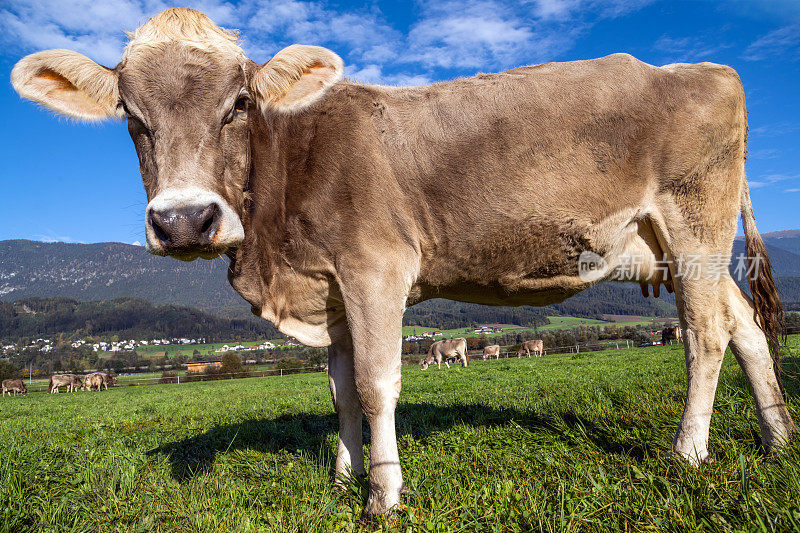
239	108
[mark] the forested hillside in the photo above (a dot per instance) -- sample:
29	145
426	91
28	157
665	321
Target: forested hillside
126	318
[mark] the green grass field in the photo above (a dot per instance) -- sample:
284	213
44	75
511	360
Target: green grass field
560	443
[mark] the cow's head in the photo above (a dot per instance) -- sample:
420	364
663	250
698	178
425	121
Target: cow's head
189	94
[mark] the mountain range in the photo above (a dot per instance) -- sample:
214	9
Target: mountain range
105	271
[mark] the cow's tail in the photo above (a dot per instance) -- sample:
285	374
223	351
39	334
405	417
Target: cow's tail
768	309
50	386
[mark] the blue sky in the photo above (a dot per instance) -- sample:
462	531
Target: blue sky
63	180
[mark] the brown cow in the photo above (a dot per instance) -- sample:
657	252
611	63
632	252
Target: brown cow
61	380
336	202
99	379
491	351
446	350
14	386
535	346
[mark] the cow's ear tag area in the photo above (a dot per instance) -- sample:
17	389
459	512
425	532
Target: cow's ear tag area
295	78
69	83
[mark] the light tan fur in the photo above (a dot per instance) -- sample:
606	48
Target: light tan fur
445	351
491	351
98	380
187	26
535	346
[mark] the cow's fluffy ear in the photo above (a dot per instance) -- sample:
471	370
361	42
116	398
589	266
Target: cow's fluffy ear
69	83
295	78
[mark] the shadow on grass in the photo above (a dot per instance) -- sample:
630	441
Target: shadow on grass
307	433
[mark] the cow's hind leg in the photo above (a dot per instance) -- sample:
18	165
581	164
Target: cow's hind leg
749	345
706	324
350	450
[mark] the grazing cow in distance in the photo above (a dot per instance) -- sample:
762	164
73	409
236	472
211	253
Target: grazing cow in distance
61	380
99	379
491	351
336	201
446	350
535	346
14	386
670	333
77	383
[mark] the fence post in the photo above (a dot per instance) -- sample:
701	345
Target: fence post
617	346
179	379
281	372
577	349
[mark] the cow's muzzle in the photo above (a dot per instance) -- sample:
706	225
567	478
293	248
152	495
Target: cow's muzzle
186	228
187	224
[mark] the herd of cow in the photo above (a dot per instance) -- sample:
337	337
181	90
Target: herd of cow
72	382
454	350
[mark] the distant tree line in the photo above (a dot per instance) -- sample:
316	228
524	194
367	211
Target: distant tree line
127	318
447	314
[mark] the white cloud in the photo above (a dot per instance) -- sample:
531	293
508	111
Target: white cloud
374	74
771	179
488	34
494	34
778	43
775	130
792	190
51	236
468	36
764	153
688	49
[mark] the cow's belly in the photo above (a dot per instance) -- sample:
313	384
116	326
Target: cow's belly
547	264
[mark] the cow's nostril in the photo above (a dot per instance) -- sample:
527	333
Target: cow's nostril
159	232
209	216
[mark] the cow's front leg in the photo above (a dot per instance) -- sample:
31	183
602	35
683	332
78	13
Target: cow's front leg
374	308
341	376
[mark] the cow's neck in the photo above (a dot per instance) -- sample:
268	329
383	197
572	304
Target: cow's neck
281	269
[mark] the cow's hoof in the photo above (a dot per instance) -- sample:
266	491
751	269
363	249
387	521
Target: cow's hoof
694	458
381	503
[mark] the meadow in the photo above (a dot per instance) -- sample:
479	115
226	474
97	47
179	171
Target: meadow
559	443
